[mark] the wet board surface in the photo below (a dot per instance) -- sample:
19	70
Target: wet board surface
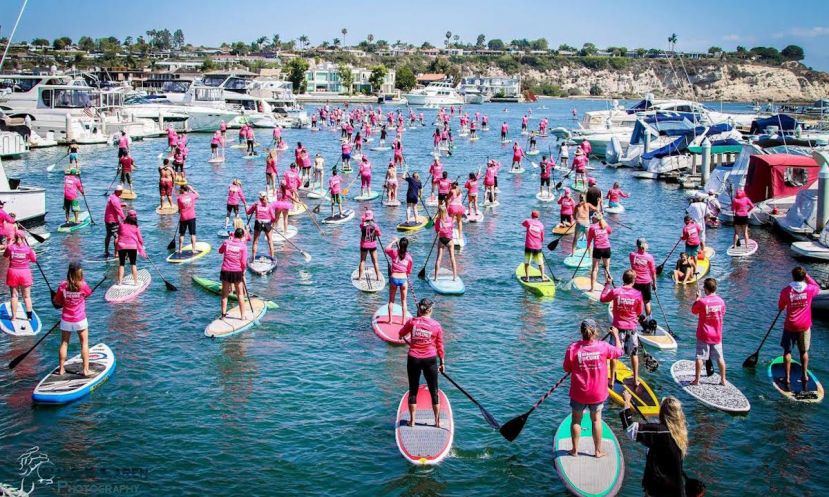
391	203
460	241
71	226
348	214
474	217
533	153
545	196
166	210
543	287
582	283
389	331
224	232
187	254
369	282
702	268
420	223
641	396
129	195
278	236
726	397
564	230
215	287
659	338
424	443
813	392
586	475
216	160
371	195
380	149
432	201
444	284
297	209
262	265
318	194
517	170
580	259
615	210
127	291
232	323
72	385
743	250
21	326
487	203
100	259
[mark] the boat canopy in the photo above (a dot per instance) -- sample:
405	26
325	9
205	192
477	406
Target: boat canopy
662	123
783	122
802	216
645	104
687	136
779	175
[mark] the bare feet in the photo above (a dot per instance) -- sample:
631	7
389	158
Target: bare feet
600	454
573	452
694	383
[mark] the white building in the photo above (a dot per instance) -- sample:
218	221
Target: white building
492	86
325	78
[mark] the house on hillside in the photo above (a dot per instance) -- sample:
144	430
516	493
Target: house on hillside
326	78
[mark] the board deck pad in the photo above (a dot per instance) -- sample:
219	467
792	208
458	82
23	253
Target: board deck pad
127	291
369	282
545	197
166	210
444	284
545	287
72	385
743	250
262	265
278	236
388	332
582	283
413	225
21	326
474	218
586	475
424	443
615	210
726	398
371	195
641	396
702	268
187	255
232	323
337	219
795	391
83	221
297	209
129	194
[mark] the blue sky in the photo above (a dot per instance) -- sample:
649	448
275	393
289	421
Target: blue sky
699	24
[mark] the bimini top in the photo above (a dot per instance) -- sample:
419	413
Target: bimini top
779	175
782	121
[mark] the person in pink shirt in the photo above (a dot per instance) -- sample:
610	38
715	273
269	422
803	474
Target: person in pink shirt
425	347
491	182
454	206
444	186
397	146
586	363
471	187
129	244
123	144
263	222
517	155
113	215
71	297
172	138
235	196
586	148
216	141
690	233
19	275
524	121
643	264
504	129
369	234
615	195
533	243
742	207
334	190
187	216
444	228
710	311
400	267
545	175
580	168
282	205
250	140
598	236
271	171
291	178
568	206
796	298
627	307
234	252
365	177
436	172
222	127
72	187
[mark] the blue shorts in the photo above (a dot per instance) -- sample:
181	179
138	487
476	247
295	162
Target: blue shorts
578	406
399	282
346	156
73	157
692	250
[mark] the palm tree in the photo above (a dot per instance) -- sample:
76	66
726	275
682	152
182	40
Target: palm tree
275	41
336	42
370	38
303	41
344	31
672	42
448	37
456	38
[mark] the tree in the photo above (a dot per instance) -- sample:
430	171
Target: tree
539	44
405	79
296	73
275	42
370	38
303	41
641	52
448	37
40	42
588	49
567	48
496	44
178	39
792	52
456	39
426	46
336	42
61	43
672	42
479	42
128	41
378	74
208	65
382	44
344	32
86	44
714	50
346	78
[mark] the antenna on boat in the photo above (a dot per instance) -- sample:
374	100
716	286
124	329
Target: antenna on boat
11	36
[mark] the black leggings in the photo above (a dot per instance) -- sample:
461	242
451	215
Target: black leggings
429	366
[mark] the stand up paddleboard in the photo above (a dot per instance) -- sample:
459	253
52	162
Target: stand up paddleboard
262	265
743	250
278	236
216	160
224	232
641	396
297	209
72	226
72	385
518	170
726	397
318	194
432	201
391	203
380	149
180	181
369	282
533	153
128	291
795	390
166	210
411	226
368	197
389	332
459	241
618	209
100	259
474	217
444	284
187	254
703	265
424	443
544	287
659	337
545	197
21	326
233	323
582	283
129	195
585	475
564	230
578	260
348	214
215	287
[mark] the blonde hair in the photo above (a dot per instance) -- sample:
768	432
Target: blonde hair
671	415
238	223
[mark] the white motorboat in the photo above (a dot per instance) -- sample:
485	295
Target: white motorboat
676	156
801	217
436	94
279	94
181	116
28	203
817	249
12	145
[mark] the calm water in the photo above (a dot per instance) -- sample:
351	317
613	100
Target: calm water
306	402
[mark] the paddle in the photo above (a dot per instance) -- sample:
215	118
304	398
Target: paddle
171	287
51	167
83	194
117	171
489	418
312	216
22	356
549	267
623	225
51	291
247	295
172	244
751	360
665	317
37	237
512	428
569	284
558	185
305	254
553	244
661	267
422	273
431	219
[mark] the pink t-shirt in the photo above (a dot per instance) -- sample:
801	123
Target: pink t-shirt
711	312
742	206
627	306
444	185
187	205
643	265
369	233
444	227
74	303
614	194
471	186
599	236
517	153
436	170
690	233
71	187
264	212
270	165
798	305
19	255
113	212
568	205
292	179
365	169
235	195
580	163
534	237
235	255
397	265
346	148
586	361
427	337
123	142
129	237
334	185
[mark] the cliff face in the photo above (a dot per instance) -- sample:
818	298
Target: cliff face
733	81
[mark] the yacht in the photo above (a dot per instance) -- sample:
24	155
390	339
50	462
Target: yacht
436	94
191	117
279	94
28	203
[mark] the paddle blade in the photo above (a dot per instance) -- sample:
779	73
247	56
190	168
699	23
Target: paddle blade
51	167
512	428
552	245
316	210
751	360
171	287
422	273
659	269
307	256
430	224
172	244
37	237
558	185
13	364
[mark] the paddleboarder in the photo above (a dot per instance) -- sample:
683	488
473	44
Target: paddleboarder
369	234
391	184
594	195
334	189
72	151
690	233
545	175
567	207
319	171
365	176
533	243
491	182
598	236
178	165
796	298
215	142
412	194
444	186
234	252
684	270
400	268
586	362
346	155
113	215
235	195
627	307
504	129
454	206
615	195
186	202
710	311
643	265
263	221
698	211
271	172
580	168
123	145
582	215
129	244
165	184
19	274
517	156
425	348
71	297
445	227
471	187
564	154
72	187
741	206
435	173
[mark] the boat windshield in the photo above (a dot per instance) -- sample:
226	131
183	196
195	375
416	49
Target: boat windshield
175	86
18	85
214	79
209	94
65	98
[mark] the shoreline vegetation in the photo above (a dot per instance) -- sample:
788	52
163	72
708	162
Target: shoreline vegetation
758	74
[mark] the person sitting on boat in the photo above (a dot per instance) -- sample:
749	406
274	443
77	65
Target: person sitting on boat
129	244
517	155
698	210
796	298
714	208
598	237
690	233
71	188
627	307
533	243
113	215
684	270
642	263
615	194
425	348
741	205
586	361
710	309
567	206
19	274
234	252
71	298
369	234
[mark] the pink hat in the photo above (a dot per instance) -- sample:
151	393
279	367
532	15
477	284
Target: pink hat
132	213
566	191
591	181
368	215
20	233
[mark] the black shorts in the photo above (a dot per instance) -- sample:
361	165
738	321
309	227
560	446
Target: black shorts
368	250
126	177
124	253
122	152
112	229
178	166
184	226
545	181
444	241
231	276
601	253
645	290
214	146
412	200
566	218
232	209
250	143
740	220
442	197
260	226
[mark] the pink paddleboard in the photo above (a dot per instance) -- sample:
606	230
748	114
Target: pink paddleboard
127	291
383	329
424	443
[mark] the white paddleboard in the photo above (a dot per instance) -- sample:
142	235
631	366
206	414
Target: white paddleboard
369	282
726	397
742	250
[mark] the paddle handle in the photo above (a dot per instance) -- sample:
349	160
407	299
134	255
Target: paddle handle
549	392
779	312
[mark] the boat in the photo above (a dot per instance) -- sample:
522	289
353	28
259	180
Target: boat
801	218
435	94
28	203
816	250
12	145
189	117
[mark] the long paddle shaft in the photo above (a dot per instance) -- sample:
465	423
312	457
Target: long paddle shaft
22	356
751	360
313	217
167	284
83	194
51	291
247	296
51	167
661	267
305	254
552	245
512	428
172	244
117	172
664	316
490	419
422	273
